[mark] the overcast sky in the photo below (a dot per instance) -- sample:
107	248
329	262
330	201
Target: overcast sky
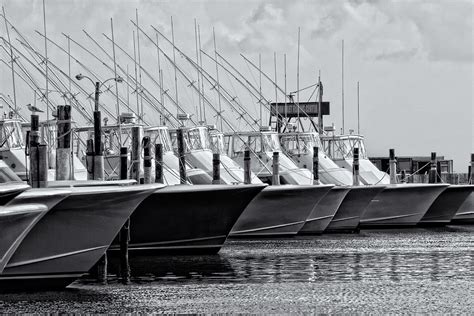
414	59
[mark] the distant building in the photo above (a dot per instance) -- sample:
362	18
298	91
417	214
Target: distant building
411	164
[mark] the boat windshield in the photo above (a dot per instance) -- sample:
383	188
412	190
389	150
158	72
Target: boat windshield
217	143
160	136
343	148
300	143
270	142
354	142
10	135
197	139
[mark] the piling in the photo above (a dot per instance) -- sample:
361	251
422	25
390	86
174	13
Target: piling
471	173
247	172
123	163
159	163
216	168
316	165
147	160
276	168
63	150
181	157
124	238
99	167
355	167
101	269
136	162
432	174
392	166
90	159
39	166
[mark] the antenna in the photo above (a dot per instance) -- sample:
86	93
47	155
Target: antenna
136	72
12	60
140	112
217	78
298	81
160	77
174	63
358	110
342	101
320	101
284	66
46	66
202	76
128	92
197	69
69	68
115	70
260	84
276	90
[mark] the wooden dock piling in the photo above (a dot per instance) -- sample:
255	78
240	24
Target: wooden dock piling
181	156
159	163
63	150
316	165
471	172
403	176
433	171
216	168
276	168
124	238
39	166
123	163
355	167
90	159
247	172
136	162
392	166
147	160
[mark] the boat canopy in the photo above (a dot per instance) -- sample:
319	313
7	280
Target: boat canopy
257	142
217	142
10	135
300	143
160	135
195	138
342	146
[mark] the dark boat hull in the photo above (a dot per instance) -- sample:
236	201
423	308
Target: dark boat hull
347	217
465	214
324	211
400	205
446	205
279	211
187	219
71	237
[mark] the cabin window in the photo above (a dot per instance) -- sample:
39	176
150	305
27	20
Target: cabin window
239	144
255	143
217	143
10	135
271	142
160	136
197	139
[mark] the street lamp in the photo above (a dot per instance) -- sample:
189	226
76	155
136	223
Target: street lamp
97	115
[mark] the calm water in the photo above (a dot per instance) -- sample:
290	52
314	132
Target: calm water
411	270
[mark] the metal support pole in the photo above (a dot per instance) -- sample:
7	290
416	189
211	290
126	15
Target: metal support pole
355	167
247	172
316	165
276	168
147	159
159	163
181	157
216	168
432	174
393	166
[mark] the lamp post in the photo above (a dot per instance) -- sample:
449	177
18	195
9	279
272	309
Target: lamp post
98	148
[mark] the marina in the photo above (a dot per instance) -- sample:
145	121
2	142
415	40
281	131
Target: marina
141	173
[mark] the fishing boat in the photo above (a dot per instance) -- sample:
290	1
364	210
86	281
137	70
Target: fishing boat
69	239
340	149
465	214
323	213
299	147
264	216
446	205
15	223
9	189
401	205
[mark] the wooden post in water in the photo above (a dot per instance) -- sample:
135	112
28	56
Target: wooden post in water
216	168
123	163
392	166
63	150
159	163
34	135
355	167
471	173
276	168
136	162
432	174
181	156
90	159
247	172
147	159
39	166
101	268
316	165
98	147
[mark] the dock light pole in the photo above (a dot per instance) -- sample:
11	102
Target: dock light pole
98	147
